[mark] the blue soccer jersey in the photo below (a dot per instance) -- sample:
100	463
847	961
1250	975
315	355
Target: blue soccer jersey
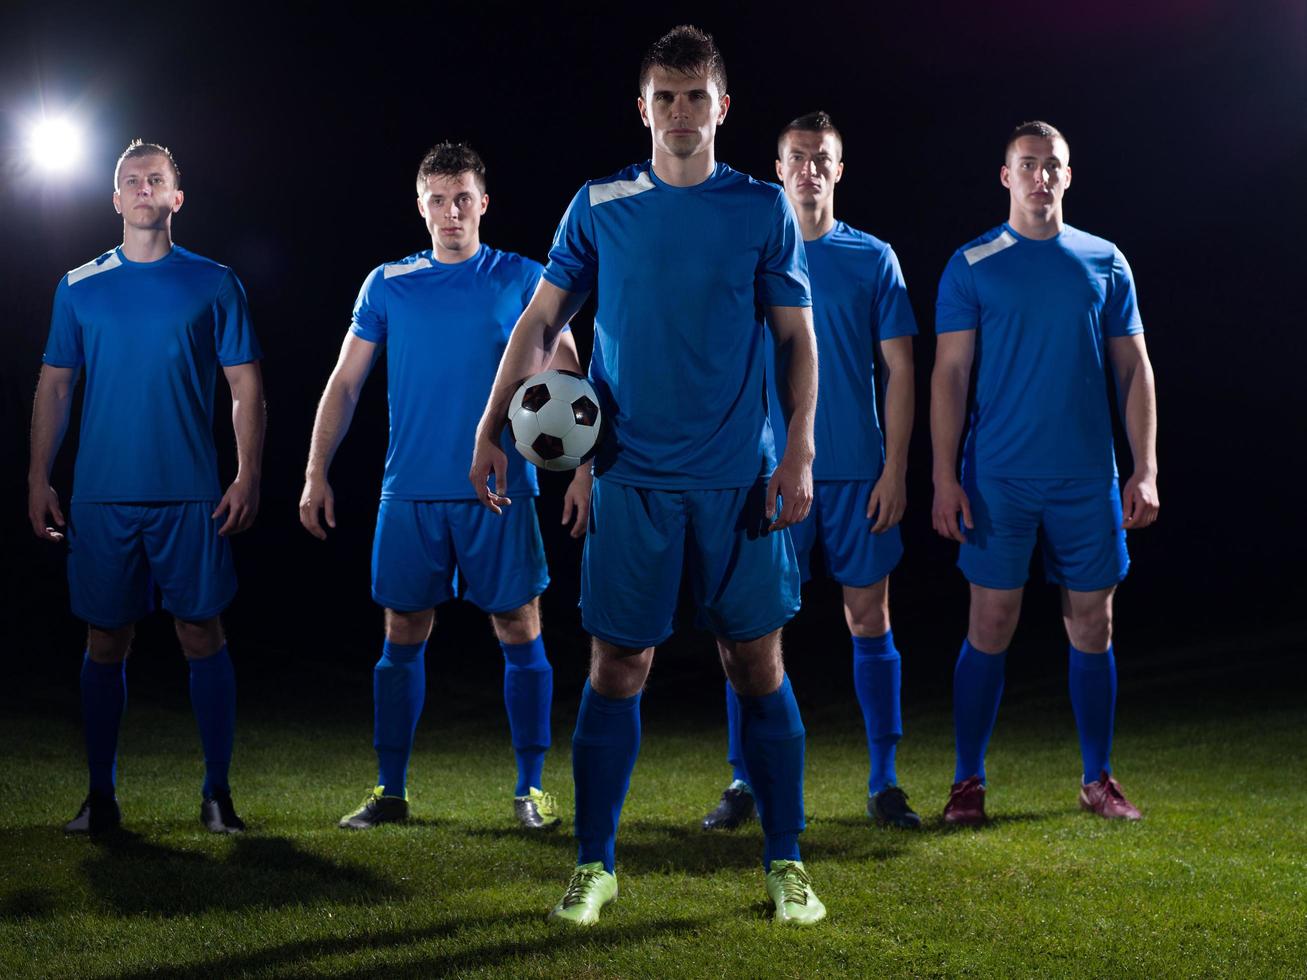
151	336
1043	312
858	299
683	275
445	327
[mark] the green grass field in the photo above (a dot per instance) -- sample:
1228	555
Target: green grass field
1212	882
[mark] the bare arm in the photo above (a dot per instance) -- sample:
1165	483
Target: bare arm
796	348
1137	396
335	412
954	352
576	501
240	504
530	350
889	498
54	400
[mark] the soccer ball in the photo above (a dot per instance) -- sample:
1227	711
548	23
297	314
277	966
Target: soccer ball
554	417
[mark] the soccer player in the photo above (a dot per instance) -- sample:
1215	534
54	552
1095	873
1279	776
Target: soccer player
1039	309
444	314
150	322
860	307
686	254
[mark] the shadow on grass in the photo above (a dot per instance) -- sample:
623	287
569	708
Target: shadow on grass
468	956
27	903
134	876
995	821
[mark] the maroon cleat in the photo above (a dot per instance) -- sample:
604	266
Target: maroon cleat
966	803
1105	798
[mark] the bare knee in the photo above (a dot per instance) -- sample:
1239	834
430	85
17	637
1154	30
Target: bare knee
520	625
994	616
618	672
754	667
1090	630
866	609
109	646
200	639
409	627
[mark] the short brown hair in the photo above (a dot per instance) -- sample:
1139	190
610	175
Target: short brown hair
450	159
139	148
811	122
1039	128
688	50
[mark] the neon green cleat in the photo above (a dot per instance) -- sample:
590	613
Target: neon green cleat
377	808
537	810
791	892
591	890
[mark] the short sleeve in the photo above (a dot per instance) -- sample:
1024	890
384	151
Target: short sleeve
782	278
531	275
1121	311
573	258
893	309
64	346
957	307
233	331
369	318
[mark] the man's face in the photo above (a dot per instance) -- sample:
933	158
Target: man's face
1037	173
452	208
810	167
147	194
683	111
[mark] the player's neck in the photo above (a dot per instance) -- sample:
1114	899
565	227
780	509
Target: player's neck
1038	228
146	244
449	256
817	220
684	171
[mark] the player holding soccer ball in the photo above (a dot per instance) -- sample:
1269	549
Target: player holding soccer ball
445	314
151	323
1039	308
684	252
860	308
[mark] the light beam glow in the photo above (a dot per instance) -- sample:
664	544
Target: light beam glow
54	145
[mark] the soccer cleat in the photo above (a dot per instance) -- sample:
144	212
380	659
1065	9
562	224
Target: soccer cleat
966	803
889	808
1105	797
219	815
537	810
377	808
734	808
99	814
791	892
590	890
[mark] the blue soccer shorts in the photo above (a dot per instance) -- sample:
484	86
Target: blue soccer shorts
838	525
427	552
118	553
745	581
1077	523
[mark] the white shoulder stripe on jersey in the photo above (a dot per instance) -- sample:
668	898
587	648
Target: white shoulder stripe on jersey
94	268
404	268
974	255
618	189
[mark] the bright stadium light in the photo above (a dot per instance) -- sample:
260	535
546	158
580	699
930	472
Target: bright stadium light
54	145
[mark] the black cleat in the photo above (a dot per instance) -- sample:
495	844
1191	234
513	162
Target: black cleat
734	808
99	814
219	815
377	808
889	808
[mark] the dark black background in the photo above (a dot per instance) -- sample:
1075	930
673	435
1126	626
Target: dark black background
298	131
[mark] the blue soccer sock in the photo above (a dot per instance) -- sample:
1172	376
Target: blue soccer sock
528	695
734	750
1092	679
876	680
977	690
772	734
213	699
604	748
399	688
104	698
